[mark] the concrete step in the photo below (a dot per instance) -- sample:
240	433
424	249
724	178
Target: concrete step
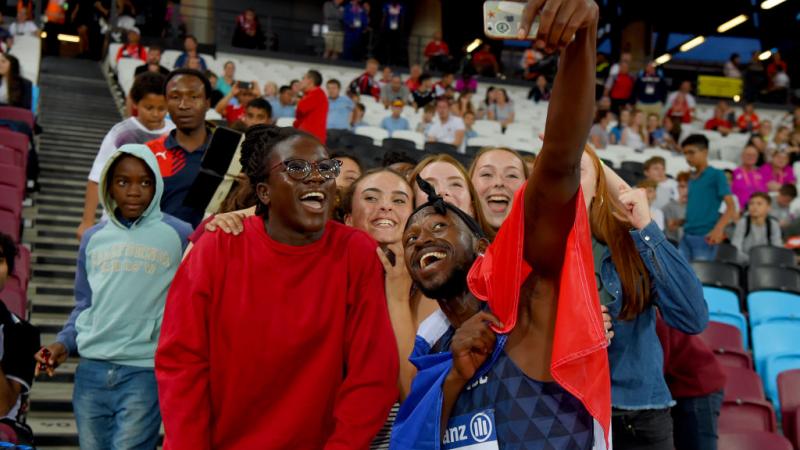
50	323
54	271
51	396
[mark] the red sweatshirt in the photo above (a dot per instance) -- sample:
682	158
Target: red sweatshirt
271	346
690	367
312	113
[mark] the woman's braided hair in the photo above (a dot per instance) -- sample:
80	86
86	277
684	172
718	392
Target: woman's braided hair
259	141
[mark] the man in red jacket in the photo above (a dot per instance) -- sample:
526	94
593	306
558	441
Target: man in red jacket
312	110
279	337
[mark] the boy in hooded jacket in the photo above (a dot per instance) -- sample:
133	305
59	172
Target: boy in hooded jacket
125	266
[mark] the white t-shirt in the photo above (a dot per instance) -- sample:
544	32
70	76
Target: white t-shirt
129	131
27	27
658	217
446	132
780	80
667	190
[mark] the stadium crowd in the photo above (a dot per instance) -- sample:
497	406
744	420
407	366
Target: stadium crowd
331	302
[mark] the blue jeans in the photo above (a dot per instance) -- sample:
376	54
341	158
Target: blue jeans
116	407
695	422
695	248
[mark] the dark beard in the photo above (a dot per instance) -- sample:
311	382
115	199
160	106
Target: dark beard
455	285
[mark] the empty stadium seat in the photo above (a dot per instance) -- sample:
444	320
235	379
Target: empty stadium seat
377	134
762	440
767	255
777	364
10	201
18	114
721	300
417	138
771	340
747	415
773	278
727	253
734	358
789	396
17	141
8	156
718	274
766	306
354	140
285	122
14	176
15	301
440	147
10	225
482	141
721	336
742	385
487	128
403	145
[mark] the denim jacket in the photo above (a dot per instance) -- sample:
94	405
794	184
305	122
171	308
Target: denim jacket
635	354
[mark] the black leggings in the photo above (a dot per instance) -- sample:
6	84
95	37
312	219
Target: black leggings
649	429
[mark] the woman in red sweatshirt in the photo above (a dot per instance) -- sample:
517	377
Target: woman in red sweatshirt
279	337
312	110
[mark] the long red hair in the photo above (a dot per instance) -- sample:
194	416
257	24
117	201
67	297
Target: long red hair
612	231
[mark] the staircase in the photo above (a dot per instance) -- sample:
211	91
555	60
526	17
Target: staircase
76	111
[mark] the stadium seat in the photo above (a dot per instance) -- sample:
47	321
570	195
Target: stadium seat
377	134
482	141
18	114
609	158
762	440
789	396
718	274
777	364
15	301
655	151
19	142
767	255
743	385
353	140
721	300
721	336
8	156
734	358
10	225
10	201
746	415
766	306
772	339
722	165
417	138
440	147
402	145
487	128
773	278
285	122
727	253
14	176
635	167
734	319
126	68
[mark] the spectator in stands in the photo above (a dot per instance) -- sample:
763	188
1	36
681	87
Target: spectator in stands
748	120
365	84
153	62
497	174
18	341
297	91
731	67
764	131
193	62
696	380
780	142
437	53
340	108
225	83
615	135
463	105
86	17
243	92
125	267
395	121
23	26
598	136
675	210
469	122
181	151
283	107
621	92
258	112
531	58
14	89
674	129
779	86
541	91
216	95
148	123
248	32
634	134
353	341
657	135
333	14
447	81
624	57
358	116
651	187
502	110
427	118
775	63
190	51
446	127
708	188
133	48
393	29
782	210
655	170
424	94
386	77
395	90
778	172
719	122
356	20
270	91
413	80
467	83
747	178
485	63
312	110
757	227
681	103
349	170
650	91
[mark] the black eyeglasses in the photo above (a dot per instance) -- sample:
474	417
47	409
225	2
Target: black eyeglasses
300	169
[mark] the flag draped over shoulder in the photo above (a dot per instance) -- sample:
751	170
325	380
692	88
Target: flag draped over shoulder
579	362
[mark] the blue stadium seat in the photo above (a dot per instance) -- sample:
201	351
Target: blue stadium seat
721	300
774	366
766	306
735	319
772	339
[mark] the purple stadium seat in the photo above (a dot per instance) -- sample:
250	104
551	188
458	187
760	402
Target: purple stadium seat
22	263
8	156
10	225
753	441
743	385
10	201
14	176
17	141
734	358
722	336
747	415
18	114
789	394
15	302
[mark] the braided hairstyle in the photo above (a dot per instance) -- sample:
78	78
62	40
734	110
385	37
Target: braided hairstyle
259	141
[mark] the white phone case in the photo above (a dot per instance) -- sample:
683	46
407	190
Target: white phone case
501	20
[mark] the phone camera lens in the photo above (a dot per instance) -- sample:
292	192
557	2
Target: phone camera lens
502	27
510	18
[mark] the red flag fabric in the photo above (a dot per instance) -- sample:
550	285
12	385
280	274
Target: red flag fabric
579	362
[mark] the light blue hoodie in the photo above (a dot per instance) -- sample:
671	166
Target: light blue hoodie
123	274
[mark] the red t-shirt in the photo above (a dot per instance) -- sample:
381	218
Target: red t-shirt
484	58
436	48
412	84
748	122
132	51
312	114
623	87
272	346
690	367
234	113
714	123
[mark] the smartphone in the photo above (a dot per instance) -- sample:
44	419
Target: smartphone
502	19
244	85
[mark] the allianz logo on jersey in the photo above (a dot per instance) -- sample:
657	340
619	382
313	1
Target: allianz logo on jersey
474	431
